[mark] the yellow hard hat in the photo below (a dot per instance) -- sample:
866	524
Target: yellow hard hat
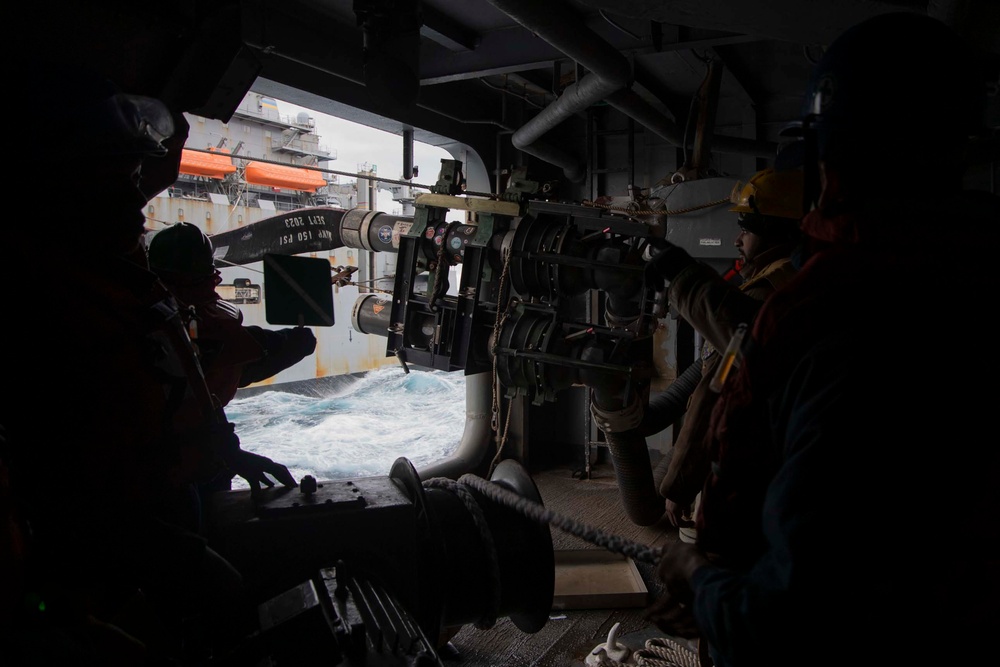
770	193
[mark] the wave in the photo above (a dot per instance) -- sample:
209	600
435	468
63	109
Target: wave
358	429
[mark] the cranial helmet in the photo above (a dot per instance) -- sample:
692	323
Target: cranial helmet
182	252
96	118
895	97
898	85
770	193
770	204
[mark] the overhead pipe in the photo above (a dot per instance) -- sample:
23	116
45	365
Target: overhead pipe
610	80
631	104
708	105
609	72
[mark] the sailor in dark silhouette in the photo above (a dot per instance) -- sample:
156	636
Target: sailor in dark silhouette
112	571
232	354
844	444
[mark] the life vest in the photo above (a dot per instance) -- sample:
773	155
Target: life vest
143	421
224	346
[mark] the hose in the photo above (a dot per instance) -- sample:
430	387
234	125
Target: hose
630	454
667	406
634	472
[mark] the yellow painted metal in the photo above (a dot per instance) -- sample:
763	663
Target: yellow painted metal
508	208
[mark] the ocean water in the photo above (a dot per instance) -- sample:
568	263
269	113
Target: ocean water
358	430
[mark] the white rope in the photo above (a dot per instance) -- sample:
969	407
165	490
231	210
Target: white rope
665	652
658	652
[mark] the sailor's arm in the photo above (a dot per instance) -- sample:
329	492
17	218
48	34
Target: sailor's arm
706	300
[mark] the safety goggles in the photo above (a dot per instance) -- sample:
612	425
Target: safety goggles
124	124
749	222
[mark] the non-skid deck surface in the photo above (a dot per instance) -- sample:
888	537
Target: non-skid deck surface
570	634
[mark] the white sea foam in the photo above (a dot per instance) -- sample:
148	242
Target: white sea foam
361	429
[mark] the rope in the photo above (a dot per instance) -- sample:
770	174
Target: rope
495	398
657	652
366	284
665	652
615	543
486	195
681	211
489	619
533	510
324	170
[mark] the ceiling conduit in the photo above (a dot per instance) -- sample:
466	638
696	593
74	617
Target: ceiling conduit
609	71
609	79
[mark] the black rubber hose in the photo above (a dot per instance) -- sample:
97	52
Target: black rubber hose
630	455
634	472
667	406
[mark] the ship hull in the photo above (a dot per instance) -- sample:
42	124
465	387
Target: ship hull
340	350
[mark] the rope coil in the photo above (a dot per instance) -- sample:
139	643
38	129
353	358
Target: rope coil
657	652
489	619
665	652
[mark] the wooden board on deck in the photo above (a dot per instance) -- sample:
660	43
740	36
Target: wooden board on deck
596	579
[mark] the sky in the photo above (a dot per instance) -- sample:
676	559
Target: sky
357	144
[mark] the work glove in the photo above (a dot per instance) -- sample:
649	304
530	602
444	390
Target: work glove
302	339
671	612
255	469
666	264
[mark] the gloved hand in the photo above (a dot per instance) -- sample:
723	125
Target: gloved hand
667	263
283	348
671	612
255	469
302	339
677	514
672	617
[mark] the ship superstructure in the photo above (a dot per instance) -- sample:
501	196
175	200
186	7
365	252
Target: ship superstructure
258	164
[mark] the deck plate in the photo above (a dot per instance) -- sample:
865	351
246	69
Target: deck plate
597	579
